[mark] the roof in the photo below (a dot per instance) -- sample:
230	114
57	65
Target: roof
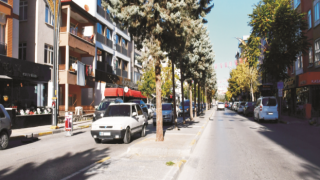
122	104
80	9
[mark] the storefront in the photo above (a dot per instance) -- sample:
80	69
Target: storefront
289	95
24	87
309	90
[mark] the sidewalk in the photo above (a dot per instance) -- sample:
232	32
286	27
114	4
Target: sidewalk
148	159
289	120
45	130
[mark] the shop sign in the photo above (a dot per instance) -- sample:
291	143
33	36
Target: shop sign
29	75
290	83
310	78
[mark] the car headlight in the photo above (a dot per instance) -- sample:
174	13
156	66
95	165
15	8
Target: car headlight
101	114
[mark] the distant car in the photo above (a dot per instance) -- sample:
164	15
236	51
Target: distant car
235	106
221	106
5	128
266	109
104	104
142	105
186	108
226	105
151	110
241	107
167	114
120	121
248	108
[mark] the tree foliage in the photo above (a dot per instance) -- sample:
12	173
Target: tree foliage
147	84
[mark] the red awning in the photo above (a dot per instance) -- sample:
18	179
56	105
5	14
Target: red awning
118	92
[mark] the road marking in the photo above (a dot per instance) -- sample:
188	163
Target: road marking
45	133
193	142
103	160
180	163
179	134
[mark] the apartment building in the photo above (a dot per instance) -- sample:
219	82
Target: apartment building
303	86
23	80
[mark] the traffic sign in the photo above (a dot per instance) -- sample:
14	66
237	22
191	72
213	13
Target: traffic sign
280	85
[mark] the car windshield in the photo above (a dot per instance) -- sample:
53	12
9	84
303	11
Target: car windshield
103	106
269	102
220	103
166	107
118	110
137	101
186	103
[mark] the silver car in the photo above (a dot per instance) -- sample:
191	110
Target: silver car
5	128
167	114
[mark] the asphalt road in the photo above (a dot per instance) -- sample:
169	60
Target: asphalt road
57	156
236	147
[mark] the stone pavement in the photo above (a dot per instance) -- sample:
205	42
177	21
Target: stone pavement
45	130
148	159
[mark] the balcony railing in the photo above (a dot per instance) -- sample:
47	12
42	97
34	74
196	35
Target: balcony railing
122	50
103	13
118	72
74	31
125	74
104	40
3	48
136	77
105	67
109	43
118	48
123	30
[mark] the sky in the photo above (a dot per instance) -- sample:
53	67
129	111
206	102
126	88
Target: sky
228	19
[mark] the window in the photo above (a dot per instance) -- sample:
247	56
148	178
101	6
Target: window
48	54
310	55
309	19
23	11
118	110
133	109
23	51
139	110
317	50
108	33
269	102
296	3
300	61
2	34
117	39
48	16
6	1
316	13
99	28
103	106
124	43
99	3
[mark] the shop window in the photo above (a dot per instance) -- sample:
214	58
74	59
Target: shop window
23	51
48	54
23	11
48	16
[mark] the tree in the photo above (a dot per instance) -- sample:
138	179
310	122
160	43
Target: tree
147	83
166	81
282	28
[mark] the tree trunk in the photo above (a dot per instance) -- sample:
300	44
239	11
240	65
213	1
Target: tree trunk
174	98
159	135
199	107
184	115
190	98
195	99
251	91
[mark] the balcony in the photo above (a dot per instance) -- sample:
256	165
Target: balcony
105	67
125	31
3	49
104	40
136	77
122	50
118	72
74	31
103	13
125	74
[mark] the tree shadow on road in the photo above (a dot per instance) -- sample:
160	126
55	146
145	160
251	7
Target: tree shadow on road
56	168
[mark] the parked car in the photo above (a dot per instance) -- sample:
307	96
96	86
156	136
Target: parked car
266	109
151	110
104	104
241	107
235	106
167	114
221	106
248	108
226	105
143	106
186	108
119	122
5	128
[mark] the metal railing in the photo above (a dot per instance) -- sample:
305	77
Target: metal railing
109	43
104	40
103	13
118	72
125	74
74	31
124	51
3	48
118	48
123	30
105	67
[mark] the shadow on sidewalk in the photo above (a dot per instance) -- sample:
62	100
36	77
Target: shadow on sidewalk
56	168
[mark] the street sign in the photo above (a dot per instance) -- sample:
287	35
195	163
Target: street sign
280	92
280	85
68	123
126	89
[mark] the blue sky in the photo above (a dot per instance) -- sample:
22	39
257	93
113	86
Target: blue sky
227	20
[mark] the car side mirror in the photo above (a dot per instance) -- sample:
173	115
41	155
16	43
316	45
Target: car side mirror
134	114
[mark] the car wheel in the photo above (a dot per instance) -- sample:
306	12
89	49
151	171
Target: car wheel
4	140
127	136
98	141
143	131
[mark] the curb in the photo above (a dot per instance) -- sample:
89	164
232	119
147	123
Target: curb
45	133
175	171
283	122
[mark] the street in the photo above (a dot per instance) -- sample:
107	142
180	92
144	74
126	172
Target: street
57	156
236	147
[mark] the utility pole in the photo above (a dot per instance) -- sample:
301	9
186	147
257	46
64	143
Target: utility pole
174	98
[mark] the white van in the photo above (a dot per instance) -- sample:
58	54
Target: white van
266	108
5	128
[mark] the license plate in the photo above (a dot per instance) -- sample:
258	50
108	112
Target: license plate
270	113
104	133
